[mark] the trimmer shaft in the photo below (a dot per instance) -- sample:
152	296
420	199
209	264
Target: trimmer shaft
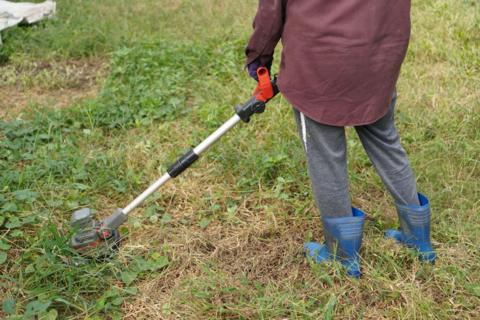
93	238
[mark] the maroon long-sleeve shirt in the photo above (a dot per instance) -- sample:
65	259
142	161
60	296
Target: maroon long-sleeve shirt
341	58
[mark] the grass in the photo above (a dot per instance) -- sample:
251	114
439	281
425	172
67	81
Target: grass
223	240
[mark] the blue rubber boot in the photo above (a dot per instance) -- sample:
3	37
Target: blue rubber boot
343	239
415	229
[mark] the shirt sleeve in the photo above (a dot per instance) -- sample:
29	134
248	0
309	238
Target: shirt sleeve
268	27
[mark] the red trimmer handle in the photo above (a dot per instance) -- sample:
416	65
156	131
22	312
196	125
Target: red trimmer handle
264	90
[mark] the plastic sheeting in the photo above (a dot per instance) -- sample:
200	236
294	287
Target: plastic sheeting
13	13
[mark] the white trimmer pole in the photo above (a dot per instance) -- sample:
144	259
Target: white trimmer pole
215	136
105	233
183	163
145	194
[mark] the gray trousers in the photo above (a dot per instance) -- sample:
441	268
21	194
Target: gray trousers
326	151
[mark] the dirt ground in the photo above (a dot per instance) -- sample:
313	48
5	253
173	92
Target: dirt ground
48	84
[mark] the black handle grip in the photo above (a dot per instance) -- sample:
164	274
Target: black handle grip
246	110
253	105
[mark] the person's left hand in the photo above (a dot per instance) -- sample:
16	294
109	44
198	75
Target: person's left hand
253	67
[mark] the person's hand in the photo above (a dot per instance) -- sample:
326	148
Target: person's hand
253	67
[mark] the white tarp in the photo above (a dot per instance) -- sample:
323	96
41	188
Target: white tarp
13	13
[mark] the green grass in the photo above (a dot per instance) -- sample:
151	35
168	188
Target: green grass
223	241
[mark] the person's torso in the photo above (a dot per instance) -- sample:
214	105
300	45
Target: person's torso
344	24
343	50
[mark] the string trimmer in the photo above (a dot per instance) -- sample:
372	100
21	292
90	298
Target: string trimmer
99	238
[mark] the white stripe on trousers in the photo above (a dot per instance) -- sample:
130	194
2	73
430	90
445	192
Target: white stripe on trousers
304	130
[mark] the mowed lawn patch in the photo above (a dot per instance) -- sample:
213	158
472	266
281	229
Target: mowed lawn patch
224	240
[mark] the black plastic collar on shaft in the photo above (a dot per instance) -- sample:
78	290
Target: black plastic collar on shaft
252	106
182	163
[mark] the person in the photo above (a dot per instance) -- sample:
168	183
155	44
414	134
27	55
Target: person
339	67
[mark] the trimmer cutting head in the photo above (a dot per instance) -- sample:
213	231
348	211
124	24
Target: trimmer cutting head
93	238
